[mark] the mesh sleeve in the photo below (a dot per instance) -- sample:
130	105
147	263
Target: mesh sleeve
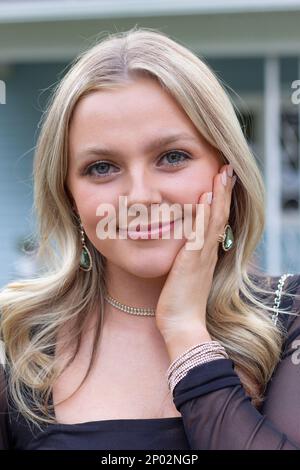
218	414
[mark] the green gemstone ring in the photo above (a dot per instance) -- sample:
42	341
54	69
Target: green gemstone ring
227	238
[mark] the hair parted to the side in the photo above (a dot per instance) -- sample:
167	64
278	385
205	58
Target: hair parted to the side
34	310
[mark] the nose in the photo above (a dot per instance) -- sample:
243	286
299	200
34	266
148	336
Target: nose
142	189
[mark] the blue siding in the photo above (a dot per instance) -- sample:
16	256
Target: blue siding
26	95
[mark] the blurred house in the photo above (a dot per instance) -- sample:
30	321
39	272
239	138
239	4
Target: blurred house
253	46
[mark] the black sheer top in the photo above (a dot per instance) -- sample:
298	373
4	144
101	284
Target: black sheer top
216	412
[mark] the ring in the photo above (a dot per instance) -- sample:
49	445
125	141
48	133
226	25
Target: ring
226	238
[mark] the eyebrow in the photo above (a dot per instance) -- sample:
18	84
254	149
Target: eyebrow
157	143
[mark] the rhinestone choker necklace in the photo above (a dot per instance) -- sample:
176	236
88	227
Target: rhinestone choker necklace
132	310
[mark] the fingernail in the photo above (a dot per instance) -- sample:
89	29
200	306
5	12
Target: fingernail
230	170
209	198
233	180
224	177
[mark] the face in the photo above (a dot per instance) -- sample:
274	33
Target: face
130	122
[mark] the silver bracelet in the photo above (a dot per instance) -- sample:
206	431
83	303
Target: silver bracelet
199	354
278	293
200	348
176	377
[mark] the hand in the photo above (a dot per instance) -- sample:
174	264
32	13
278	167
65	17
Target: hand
182	303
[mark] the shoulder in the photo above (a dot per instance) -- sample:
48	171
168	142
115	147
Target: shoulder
286	281
282	292
286	297
287	290
285	287
291	282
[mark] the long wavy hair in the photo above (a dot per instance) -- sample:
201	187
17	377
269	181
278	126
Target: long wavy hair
34	310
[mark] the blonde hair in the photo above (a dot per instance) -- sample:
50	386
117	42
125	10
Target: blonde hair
34	310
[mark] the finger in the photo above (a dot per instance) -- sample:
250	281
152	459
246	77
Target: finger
220	208
231	178
206	200
200	224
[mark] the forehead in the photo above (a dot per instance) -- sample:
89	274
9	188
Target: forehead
136	107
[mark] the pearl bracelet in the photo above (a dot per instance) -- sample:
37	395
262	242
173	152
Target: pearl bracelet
199	354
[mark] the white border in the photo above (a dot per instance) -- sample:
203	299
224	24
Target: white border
36	11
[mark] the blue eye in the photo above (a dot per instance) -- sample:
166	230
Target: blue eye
98	165
105	165
178	154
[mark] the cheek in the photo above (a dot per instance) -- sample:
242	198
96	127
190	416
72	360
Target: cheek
88	198
196	181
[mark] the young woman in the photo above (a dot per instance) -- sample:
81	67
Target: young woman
206	358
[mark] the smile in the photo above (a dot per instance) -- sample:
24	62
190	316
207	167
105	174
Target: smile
146	234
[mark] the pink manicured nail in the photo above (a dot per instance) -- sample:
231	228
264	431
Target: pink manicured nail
209	198
230	170
224	177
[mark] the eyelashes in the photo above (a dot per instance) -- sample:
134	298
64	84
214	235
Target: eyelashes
89	170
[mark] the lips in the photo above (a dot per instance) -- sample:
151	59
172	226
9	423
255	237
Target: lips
149	227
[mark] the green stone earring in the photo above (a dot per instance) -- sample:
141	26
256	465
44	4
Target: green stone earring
85	259
227	238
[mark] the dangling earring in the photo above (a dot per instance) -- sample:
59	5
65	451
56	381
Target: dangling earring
85	259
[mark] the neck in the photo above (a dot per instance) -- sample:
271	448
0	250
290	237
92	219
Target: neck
132	291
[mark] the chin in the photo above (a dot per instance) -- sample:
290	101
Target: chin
149	272
152	262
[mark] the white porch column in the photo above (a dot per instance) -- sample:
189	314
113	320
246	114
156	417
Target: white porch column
272	164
